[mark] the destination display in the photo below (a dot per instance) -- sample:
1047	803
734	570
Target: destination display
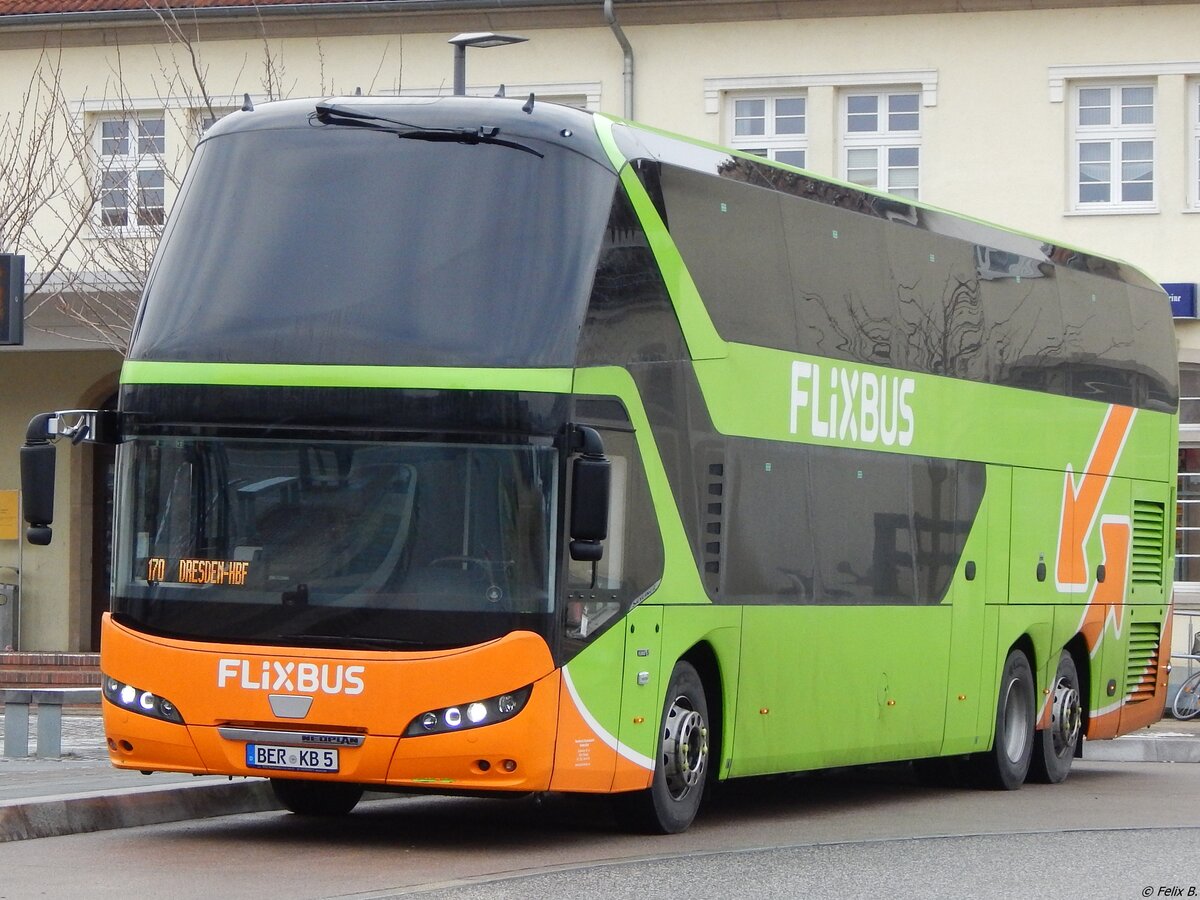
197	571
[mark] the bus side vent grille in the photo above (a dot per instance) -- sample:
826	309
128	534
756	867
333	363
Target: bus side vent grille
713	521
1149	520
1141	673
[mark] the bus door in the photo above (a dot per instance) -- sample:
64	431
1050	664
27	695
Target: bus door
982	574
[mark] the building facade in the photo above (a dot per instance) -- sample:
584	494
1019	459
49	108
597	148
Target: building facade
1079	121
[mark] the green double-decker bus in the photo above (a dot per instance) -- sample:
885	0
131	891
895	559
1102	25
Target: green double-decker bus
493	446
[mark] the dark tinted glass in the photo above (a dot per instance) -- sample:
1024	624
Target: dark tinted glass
630	317
1154	347
731	237
844	305
1098	338
863	503
874	279
278	541
936	286
340	245
809	524
770	545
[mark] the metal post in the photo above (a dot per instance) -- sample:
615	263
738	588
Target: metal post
16	728
460	70
49	730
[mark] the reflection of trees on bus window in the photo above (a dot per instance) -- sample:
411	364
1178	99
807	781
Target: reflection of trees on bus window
633	555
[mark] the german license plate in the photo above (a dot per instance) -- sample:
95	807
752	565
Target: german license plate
295	759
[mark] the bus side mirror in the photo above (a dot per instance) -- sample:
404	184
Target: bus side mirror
591	475
37	480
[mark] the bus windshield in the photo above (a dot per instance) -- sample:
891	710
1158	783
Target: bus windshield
347	246
335	543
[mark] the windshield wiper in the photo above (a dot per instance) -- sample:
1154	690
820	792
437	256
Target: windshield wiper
484	134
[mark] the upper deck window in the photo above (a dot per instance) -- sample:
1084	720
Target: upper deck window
326	244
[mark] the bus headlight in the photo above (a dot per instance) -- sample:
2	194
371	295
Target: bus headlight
136	700
475	714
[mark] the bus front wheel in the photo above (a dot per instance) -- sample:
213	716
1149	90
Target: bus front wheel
681	767
1004	766
316	798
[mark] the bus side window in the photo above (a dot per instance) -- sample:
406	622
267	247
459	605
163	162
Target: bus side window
633	556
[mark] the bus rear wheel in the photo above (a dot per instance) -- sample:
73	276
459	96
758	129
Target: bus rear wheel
1054	747
316	798
1005	766
681	767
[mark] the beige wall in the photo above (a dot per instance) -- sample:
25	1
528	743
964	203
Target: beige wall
55	580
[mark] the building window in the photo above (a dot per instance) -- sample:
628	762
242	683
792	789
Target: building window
772	126
132	174
205	119
1114	147
881	140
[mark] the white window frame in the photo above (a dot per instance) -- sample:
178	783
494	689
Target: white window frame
583	95
771	142
884	140
1193	94
1120	138
135	162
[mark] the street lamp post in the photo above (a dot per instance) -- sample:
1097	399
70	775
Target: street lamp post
475	39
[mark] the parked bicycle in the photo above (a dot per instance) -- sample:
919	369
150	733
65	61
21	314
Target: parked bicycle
1187	698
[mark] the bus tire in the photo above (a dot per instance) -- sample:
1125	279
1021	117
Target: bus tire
671	802
1054	747
316	798
1005	766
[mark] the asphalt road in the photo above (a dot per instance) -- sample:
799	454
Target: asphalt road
1113	830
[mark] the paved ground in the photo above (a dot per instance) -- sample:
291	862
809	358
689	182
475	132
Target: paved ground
81	792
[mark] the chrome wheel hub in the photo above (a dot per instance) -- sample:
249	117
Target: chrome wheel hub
1066	716
684	748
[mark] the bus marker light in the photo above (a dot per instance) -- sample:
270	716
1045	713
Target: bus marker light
638	720
764	712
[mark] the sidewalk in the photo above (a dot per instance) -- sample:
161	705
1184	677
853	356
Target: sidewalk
82	792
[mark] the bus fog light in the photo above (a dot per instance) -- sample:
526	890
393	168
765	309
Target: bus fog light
476	712
510	765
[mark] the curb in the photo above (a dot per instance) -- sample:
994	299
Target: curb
1161	747
65	814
